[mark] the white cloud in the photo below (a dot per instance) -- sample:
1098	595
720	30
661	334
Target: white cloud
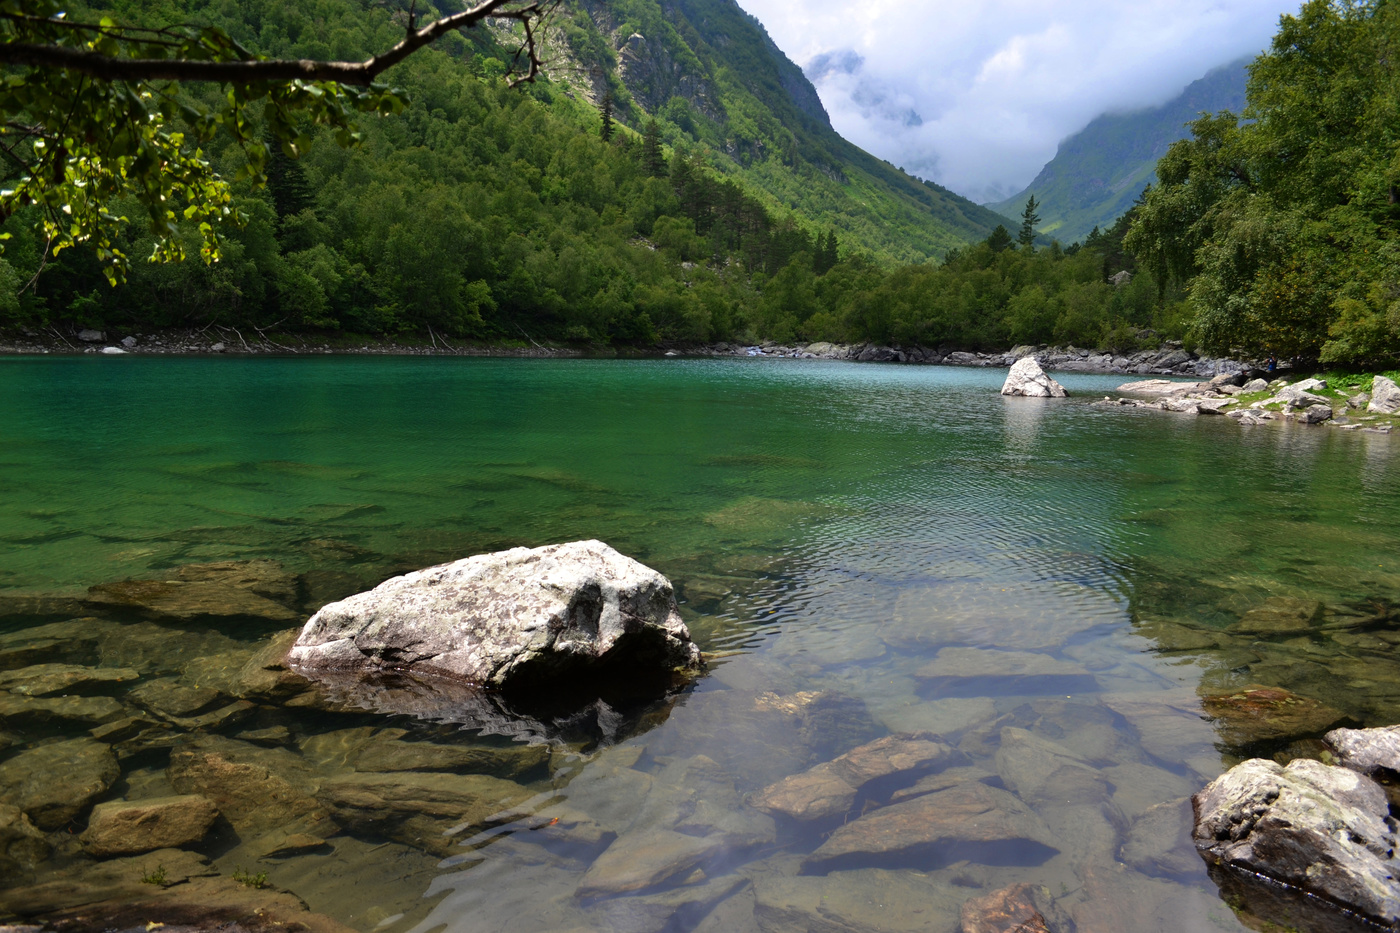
977	94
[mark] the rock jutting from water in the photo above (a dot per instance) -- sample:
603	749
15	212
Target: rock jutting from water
1026	378
521	620
1315	828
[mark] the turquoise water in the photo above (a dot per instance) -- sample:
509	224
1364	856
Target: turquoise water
902	539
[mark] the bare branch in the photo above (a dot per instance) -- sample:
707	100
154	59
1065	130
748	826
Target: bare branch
252	70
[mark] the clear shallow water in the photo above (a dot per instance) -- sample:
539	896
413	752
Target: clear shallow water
870	549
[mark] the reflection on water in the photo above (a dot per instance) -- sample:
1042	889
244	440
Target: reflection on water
962	642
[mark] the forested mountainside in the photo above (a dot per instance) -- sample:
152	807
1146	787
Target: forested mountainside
1099	171
492	213
714	79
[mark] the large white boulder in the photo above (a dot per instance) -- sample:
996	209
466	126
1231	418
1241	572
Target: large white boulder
1028	379
1385	396
546	617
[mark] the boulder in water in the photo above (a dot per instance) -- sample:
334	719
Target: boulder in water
553	617
1028	379
1318	829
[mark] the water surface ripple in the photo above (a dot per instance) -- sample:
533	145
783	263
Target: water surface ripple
1046	587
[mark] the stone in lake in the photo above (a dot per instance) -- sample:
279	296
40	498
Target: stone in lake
22	712
1257	713
1026	378
1009	910
387	754
255	788
22	845
1368	751
830	788
130	827
1317	828
431	812
1385	396
973	820
868	900
41	680
55	783
530	620
182	601
1315	414
1041	772
639	861
1159	842
1281	615
960	671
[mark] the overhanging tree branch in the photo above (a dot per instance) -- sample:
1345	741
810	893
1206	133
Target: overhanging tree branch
248	71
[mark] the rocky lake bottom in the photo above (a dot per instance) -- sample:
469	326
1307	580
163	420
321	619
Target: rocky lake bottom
968	655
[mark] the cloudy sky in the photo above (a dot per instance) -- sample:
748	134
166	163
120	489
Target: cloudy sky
977	94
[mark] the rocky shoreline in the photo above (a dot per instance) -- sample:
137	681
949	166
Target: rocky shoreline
1168	360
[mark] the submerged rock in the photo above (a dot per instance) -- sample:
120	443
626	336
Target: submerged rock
56	783
1009	910
830	789
431	812
643	860
1257	713
130	827
255	788
528	620
1026	378
1281	615
41	680
1314	827
974	820
22	845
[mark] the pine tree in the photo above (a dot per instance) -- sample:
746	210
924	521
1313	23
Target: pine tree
607	130
833	256
1000	239
1029	219
653	159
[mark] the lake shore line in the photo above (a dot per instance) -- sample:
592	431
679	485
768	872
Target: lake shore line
1170	359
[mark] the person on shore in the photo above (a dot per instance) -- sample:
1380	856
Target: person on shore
1271	364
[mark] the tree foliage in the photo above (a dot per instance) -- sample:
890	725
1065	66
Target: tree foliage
1283	221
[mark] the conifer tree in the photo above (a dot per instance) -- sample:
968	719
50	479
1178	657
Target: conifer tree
653	159
1000	239
1029	220
607	131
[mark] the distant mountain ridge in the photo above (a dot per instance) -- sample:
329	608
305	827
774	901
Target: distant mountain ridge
715	81
1099	171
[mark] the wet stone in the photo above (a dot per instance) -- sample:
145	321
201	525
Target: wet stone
859	901
58	712
1322	829
1369	751
1159	842
830	789
130	827
1281	615
984	822
43	680
172	700
1009	910
56	783
202	600
1168	722
646	859
1041	772
678	908
1257	713
957	671
254	787
22	845
431	812
508	762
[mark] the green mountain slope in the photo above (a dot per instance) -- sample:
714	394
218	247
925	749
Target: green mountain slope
1099	171
717	84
